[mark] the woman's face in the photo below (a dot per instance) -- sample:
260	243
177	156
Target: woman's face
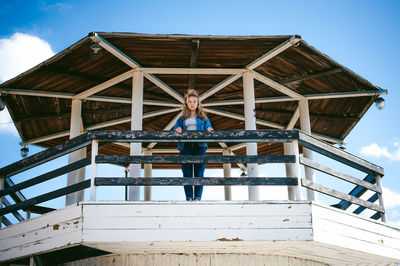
192	103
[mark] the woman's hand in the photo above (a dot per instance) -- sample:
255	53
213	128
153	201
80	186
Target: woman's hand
178	130
209	129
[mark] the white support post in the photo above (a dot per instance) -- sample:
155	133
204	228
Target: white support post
147	173
380	197
93	169
250	124
296	168
227	173
28	215
76	127
136	124
306	127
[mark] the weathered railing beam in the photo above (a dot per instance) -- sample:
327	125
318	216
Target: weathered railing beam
46	155
196	159
337	194
339	155
194	181
196	136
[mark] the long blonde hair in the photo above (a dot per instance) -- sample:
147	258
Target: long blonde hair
199	110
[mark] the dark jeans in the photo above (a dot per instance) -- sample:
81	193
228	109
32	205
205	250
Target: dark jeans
193	170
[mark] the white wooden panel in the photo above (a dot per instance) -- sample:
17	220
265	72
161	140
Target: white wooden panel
53	230
51	218
61	241
250	222
195	209
349	231
196	235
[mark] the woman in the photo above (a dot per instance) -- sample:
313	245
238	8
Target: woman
193	118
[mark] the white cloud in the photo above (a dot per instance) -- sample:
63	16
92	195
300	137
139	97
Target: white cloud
377	151
20	53
391	198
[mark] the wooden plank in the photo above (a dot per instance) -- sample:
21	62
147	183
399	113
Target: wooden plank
45	197
358	191
185	209
206	181
39	209
360	209
262	234
196	136
16	214
18	230
172	222
42	178
139	159
338	174
339	155
46	155
341	195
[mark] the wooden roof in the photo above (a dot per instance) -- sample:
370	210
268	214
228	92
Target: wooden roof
300	68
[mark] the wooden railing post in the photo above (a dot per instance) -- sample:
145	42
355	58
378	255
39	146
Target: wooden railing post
227	173
93	169
296	168
290	169
147	173
380	197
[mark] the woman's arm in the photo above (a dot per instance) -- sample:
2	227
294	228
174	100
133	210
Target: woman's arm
178	125
208	125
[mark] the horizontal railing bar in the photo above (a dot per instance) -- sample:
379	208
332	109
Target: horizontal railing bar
333	172
15	213
5	221
340	195
207	181
47	176
372	199
357	192
115	159
339	155
196	136
46	155
39	209
45	197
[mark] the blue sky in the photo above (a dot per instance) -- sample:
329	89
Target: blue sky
361	35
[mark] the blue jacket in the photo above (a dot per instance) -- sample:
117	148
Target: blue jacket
201	125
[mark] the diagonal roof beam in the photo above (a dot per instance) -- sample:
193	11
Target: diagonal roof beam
262	59
293	119
98	126
132	63
275	85
103	85
277	50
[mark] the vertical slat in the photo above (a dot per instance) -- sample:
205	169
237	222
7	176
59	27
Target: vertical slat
147	173
295	150
380	197
93	169
290	169
227	173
